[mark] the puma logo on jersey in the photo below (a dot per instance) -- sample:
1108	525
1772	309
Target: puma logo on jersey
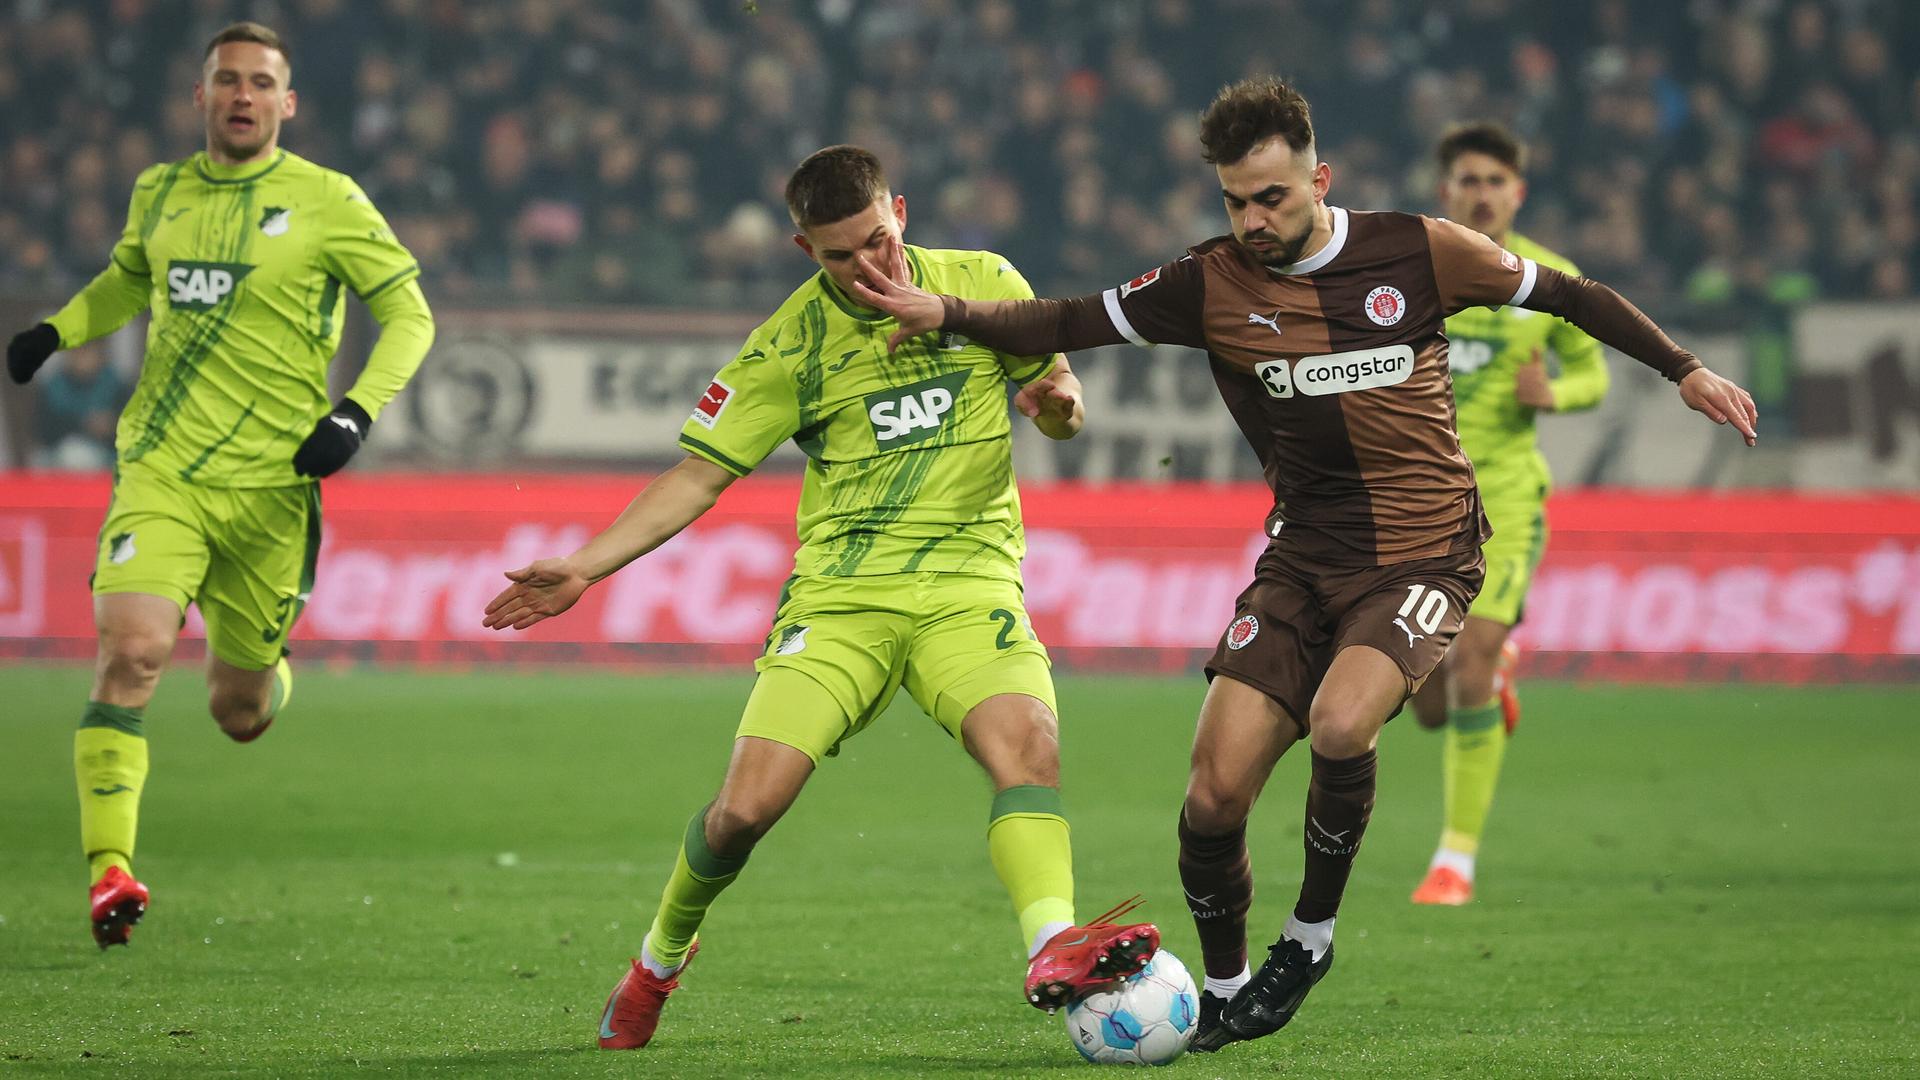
274	221
200	286
1408	630
906	415
1272	324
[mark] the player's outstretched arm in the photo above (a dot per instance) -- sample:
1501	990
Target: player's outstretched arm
674	500
1614	320
1015	327
1053	402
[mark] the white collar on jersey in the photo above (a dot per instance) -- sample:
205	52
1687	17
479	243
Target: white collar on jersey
1326	254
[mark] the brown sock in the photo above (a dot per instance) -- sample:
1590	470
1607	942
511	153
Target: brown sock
1218	879
1339	802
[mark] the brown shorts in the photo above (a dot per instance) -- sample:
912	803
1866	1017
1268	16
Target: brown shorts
1295	618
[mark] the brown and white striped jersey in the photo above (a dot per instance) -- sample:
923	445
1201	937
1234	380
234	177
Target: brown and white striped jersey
1335	368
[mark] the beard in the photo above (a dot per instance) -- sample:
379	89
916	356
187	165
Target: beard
1283	252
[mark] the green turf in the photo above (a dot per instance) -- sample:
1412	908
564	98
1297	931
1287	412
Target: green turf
443	874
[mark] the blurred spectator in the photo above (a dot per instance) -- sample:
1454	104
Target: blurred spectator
580	152
80	400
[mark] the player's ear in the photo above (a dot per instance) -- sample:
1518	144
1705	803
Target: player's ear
801	239
1322	180
900	212
1519	194
292	104
199	94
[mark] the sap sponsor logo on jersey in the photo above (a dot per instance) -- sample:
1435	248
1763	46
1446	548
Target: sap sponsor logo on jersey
713	403
1336	373
199	286
905	415
1386	305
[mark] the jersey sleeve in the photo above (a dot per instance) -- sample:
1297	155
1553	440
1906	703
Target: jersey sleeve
1583	377
1471	269
1001	281
1162	306
747	411
358	248
124	288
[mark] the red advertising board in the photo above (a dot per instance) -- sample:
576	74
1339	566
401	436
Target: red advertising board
1635	585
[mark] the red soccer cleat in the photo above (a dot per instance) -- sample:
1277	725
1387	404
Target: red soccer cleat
633	1009
1079	958
117	901
1503	685
1444	885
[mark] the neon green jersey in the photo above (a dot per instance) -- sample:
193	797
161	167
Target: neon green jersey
910	463
1486	348
244	269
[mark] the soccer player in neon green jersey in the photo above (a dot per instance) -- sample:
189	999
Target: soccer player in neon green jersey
908	574
1500	384
242	253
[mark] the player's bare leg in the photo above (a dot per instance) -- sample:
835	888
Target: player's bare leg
245	701
763	779
1475	746
1362	690
1015	738
136	633
1241	734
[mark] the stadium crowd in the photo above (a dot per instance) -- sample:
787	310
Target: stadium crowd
572	151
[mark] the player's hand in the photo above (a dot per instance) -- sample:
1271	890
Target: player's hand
29	349
1531	387
539	591
1053	404
335	439
1721	401
918	310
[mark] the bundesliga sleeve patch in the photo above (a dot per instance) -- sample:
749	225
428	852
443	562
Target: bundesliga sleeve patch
1140	282
713	403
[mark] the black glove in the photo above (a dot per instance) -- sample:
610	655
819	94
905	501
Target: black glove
29	349
334	440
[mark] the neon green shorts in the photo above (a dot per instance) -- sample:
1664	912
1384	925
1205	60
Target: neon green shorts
953	640
1519	539
245	555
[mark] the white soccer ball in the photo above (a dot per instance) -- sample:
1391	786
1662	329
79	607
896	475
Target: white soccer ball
1145	1019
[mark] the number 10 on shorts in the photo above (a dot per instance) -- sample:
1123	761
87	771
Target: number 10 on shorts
1430	605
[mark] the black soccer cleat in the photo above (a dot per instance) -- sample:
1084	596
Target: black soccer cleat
1270	999
1208	1034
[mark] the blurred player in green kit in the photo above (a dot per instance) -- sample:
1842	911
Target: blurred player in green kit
1500	383
242	253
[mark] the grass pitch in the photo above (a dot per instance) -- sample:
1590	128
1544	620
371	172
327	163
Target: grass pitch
443	874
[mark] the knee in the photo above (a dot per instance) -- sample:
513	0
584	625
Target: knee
1213	808
1472	682
1017	746
1341	731
735	824
133	660
238	713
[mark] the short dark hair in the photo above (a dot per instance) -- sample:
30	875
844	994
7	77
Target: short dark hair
258	33
1250	112
834	184
1485	137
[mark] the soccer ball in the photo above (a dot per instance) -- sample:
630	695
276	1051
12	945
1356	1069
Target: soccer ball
1144	1019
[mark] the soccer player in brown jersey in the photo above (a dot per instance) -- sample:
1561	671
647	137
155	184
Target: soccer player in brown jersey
1324	331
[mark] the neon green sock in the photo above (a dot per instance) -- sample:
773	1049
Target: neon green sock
698	878
1476	743
109	768
1027	838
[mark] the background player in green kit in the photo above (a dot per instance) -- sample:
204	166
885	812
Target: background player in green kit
1498	360
242	253
908	574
